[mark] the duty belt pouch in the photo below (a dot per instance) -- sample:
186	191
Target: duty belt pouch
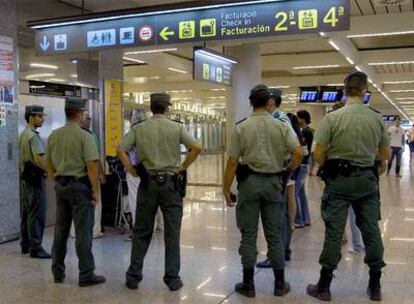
242	172
143	174
181	183
161	178
32	174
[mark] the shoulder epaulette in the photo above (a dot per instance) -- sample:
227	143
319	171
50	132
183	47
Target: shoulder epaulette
180	122
240	121
374	110
137	123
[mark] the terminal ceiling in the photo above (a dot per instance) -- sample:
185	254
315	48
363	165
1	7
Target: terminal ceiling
289	62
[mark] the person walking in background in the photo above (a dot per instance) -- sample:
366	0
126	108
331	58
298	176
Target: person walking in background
410	135
302	210
397	138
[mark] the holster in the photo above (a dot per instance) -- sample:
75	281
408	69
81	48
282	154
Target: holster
242	172
143	174
32	174
334	167
181	183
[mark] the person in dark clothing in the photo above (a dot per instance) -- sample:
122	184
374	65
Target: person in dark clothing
302	208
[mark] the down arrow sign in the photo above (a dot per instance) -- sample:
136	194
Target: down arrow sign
44	44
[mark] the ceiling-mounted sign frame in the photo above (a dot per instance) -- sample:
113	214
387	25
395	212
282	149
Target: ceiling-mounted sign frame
242	20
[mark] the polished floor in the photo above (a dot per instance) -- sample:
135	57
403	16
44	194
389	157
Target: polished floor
211	264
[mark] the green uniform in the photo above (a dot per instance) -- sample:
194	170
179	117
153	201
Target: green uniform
352	133
262	143
69	149
32	199
158	142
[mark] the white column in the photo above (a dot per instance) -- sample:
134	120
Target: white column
247	74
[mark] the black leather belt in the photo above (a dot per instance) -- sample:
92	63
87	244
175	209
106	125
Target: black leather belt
65	180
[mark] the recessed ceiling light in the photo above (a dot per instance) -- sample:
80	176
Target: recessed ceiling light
350	60
314	67
74	76
334	45
389	63
381	34
335	85
280	87
178	70
40	75
133	60
151	51
218	90
399	82
401	91
42	65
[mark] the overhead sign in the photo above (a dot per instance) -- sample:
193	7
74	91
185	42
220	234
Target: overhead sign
213	67
241	21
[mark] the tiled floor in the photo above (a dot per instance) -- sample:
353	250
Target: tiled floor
211	264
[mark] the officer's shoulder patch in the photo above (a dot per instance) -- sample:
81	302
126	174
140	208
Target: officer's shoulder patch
376	111
177	121
241	121
137	123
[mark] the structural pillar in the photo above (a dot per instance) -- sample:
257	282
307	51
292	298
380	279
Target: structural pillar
110	67
9	157
247	74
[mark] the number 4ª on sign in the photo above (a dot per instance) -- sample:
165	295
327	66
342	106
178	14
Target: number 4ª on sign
331	17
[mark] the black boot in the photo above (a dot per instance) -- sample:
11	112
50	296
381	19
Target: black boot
374	286
281	286
322	290
247	288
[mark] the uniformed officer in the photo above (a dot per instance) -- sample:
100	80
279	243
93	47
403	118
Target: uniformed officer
349	140
33	167
158	141
73	161
261	143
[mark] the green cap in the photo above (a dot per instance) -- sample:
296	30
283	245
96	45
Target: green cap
259	91
35	110
75	104
161	99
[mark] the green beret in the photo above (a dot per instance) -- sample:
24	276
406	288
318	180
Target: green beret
161	99
75	104
260	91
35	110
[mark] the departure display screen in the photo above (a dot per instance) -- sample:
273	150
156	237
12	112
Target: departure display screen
309	94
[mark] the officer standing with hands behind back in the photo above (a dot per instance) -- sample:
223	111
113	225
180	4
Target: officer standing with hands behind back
262	143
352	148
158	142
73	162
33	167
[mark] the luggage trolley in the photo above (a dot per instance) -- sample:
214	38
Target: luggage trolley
121	222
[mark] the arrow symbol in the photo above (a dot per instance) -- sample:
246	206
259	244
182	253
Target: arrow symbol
165	33
44	44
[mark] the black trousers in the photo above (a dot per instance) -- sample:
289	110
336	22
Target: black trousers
396	152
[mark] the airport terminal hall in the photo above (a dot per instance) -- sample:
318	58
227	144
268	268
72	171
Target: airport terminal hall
206	151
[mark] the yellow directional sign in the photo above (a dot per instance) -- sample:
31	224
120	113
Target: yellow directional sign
165	33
